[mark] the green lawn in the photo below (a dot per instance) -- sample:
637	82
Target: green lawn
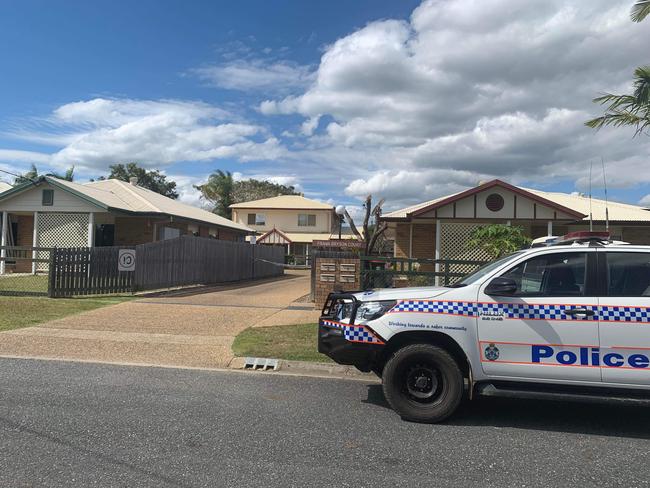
294	342
24	282
16	312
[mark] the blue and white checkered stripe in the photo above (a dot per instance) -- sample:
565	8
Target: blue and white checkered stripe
534	311
467	309
610	313
524	311
354	333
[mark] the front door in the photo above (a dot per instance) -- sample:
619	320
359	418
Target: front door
625	317
548	328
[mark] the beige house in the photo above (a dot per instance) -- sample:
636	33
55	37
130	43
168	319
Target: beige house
440	228
292	221
50	212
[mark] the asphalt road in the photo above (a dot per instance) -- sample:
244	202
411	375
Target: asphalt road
74	424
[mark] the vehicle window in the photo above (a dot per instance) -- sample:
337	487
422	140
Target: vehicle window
484	270
628	274
550	275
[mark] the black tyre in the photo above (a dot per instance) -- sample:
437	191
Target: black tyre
423	383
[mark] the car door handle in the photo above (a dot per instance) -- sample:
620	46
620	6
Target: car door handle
580	311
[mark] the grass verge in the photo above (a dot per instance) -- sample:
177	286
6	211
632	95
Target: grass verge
16	312
293	342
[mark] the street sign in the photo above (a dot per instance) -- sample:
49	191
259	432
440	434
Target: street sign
126	260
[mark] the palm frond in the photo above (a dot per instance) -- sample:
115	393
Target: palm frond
642	84
640	10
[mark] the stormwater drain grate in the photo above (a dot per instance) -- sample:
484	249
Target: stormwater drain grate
262	364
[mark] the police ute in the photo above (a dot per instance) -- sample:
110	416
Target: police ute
568	321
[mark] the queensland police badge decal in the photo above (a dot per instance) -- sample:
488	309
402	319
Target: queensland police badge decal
491	352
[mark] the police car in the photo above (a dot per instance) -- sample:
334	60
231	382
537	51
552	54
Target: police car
566	321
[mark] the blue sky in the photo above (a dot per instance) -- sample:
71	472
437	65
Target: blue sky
400	99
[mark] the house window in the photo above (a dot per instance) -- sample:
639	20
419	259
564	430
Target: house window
306	220
48	198
256	219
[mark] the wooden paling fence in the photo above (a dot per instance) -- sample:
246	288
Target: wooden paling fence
87	271
190	260
183	261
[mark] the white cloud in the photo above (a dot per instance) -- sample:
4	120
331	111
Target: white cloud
99	132
257	75
17	156
468	90
645	201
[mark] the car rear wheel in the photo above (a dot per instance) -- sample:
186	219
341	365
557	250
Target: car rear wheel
423	383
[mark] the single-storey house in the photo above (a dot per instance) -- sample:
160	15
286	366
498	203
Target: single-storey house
50	212
441	228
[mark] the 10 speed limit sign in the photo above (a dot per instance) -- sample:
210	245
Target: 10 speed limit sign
126	260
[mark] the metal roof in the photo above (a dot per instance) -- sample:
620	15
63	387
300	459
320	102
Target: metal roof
287	202
579	204
121	196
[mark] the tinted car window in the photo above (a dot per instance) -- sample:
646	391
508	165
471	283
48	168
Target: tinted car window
628	274
550	275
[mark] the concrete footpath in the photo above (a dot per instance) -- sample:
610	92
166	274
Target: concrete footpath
181	329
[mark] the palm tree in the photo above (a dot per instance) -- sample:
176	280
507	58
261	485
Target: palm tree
632	110
219	191
32	175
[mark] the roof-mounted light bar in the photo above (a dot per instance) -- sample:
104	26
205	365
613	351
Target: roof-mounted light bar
583	236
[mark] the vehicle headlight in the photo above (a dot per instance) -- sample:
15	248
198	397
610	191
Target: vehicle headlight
368	311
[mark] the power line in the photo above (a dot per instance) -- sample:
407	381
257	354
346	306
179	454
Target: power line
18	176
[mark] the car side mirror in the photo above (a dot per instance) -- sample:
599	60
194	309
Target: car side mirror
501	287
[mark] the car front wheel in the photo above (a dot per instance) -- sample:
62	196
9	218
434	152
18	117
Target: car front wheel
423	383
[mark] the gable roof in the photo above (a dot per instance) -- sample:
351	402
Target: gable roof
618	212
286	202
117	195
441	202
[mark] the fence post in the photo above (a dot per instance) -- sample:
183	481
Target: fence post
51	273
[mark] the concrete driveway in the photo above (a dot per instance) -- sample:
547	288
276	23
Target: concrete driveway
195	330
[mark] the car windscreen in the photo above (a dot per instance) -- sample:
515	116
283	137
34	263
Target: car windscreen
484	270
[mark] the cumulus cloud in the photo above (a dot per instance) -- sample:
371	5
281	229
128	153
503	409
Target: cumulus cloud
99	132
467	90
257	75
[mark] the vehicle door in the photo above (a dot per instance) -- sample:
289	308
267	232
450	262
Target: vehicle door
545	325
624	316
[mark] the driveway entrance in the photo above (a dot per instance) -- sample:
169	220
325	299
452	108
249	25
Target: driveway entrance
192	330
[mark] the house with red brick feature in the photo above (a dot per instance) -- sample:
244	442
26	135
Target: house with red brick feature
441	228
50	212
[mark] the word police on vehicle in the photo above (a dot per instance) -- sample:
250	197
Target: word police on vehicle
569	319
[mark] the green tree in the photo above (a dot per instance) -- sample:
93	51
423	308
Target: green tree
497	240
152	180
248	190
221	190
33	174
218	190
628	110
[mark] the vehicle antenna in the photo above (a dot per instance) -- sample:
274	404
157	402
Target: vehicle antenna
591	215
606	201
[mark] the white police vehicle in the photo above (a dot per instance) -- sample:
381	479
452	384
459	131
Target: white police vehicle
568	321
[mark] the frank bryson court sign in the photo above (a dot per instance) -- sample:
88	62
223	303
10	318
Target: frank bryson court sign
340	244
126	260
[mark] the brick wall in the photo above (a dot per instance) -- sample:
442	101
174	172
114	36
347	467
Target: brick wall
228	235
637	235
323	288
25	237
130	231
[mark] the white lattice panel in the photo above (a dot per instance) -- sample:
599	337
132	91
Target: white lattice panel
62	230
453	245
